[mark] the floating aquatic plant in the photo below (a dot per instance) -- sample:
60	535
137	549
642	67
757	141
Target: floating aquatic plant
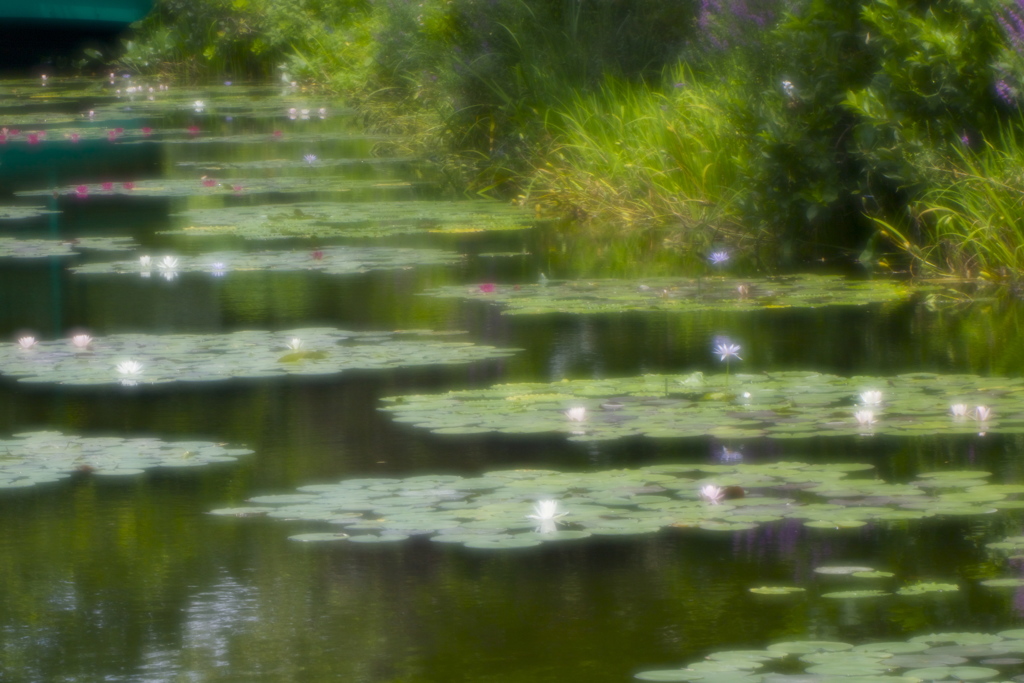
486	511
13	247
353	219
171	187
956	656
35	458
776	404
12	213
211	357
685	294
332	260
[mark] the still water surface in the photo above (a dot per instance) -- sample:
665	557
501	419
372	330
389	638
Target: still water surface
129	579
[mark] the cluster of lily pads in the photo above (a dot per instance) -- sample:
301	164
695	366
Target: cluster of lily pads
35	458
15	213
13	247
493	511
930	657
863	574
682	294
775	404
331	260
178	187
361	219
160	359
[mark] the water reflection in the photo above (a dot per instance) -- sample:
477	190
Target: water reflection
129	579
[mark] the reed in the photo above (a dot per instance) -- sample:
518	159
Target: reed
969	220
644	155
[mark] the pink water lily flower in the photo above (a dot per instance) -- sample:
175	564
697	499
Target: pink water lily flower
487	287
108	187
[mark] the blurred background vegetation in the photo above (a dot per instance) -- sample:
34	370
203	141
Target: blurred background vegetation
783	129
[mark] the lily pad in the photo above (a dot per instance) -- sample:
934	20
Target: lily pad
14	213
888	662
682	294
1013	582
744	405
13	247
495	507
32	458
777	590
329	260
217	357
199	187
928	587
849	595
353	219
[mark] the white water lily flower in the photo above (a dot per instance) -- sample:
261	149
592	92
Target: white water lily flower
310	159
865	417
199	105
982	413
81	341
712	494
717	257
130	368
295	344
725	350
168	263
546	511
958	409
218	269
27	342
576	413
144	261
871	398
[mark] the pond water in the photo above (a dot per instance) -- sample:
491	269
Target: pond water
129	578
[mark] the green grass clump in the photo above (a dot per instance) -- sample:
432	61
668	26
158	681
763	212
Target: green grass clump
969	220
641	155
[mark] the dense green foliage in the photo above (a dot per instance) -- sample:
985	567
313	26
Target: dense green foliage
792	125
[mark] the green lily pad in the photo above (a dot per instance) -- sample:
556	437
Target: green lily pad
33	458
353	219
318	538
212	357
12	247
803	647
329	260
210	187
963	673
928	587
1013	582
696	404
849	595
682	294
831	662
15	213
777	590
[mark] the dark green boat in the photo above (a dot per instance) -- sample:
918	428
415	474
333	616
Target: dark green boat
62	13
33	31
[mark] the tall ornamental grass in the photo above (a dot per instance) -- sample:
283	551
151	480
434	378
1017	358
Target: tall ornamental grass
969	220
642	155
